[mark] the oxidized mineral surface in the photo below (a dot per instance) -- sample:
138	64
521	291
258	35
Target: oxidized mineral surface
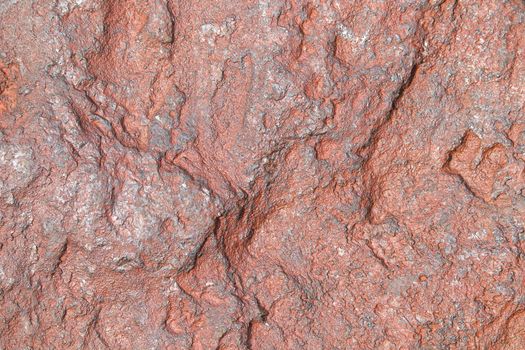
262	174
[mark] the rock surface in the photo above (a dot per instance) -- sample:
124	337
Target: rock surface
256	174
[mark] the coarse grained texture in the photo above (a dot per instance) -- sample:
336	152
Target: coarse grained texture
262	174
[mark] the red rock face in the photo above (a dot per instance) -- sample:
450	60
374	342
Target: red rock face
285	174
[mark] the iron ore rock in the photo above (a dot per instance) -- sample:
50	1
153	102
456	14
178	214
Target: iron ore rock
262	174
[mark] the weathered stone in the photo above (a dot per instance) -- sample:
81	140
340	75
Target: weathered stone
345	174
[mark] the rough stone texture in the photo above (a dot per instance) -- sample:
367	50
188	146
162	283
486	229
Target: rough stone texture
262	174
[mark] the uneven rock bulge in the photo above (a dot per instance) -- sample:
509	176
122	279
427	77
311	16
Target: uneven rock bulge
288	174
